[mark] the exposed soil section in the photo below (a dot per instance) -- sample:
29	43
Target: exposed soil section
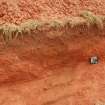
38	70
51	66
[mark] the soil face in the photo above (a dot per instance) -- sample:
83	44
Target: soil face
44	71
52	67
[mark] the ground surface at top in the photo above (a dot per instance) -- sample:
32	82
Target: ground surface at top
16	11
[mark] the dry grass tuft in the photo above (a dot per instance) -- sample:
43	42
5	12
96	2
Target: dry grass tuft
29	25
8	31
56	23
75	21
11	31
92	19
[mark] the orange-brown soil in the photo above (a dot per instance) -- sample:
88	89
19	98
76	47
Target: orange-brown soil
40	69
37	70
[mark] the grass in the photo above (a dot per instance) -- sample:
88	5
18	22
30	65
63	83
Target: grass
11	31
29	25
75	21
8	30
92	19
56	23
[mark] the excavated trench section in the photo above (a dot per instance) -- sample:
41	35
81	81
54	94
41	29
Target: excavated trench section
53	70
51	66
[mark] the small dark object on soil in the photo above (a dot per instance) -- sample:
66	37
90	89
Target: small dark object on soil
94	60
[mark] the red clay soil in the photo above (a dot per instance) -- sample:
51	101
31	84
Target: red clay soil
38	70
41	71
